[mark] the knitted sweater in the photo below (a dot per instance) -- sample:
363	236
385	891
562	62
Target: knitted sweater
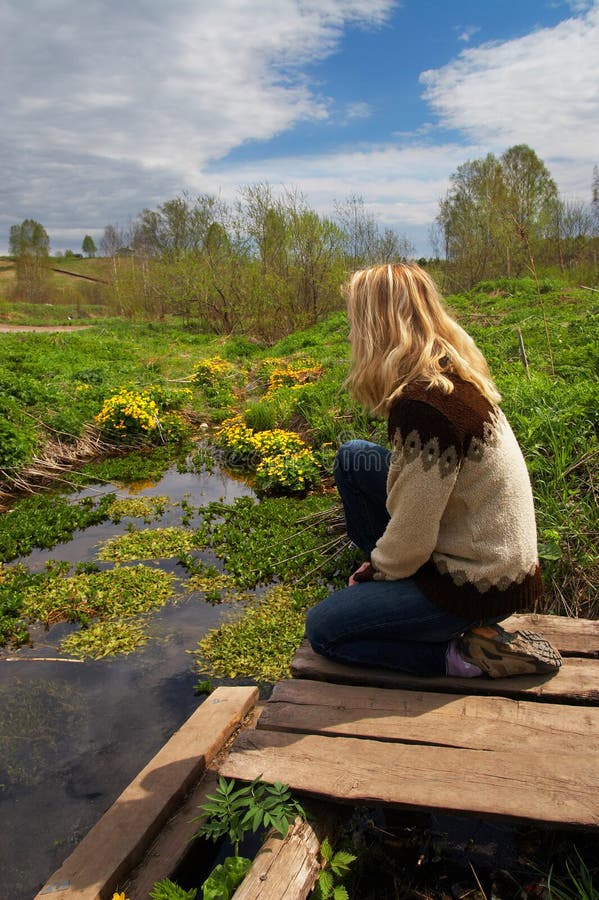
462	520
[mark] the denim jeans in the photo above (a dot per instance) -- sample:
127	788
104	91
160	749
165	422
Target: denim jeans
378	623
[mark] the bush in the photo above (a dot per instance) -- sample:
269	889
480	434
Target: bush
128	414
15	445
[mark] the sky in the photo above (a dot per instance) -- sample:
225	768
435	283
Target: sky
110	107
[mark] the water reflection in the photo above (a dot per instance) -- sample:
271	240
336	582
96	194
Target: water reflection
73	735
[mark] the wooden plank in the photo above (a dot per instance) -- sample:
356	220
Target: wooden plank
572	637
172	844
576	682
118	841
288	867
284	868
533	786
477	723
173	841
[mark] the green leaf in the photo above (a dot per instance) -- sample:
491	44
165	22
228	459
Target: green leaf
340	863
168	890
549	551
242	792
225	786
257	820
236	868
216	887
325	883
326	851
340	893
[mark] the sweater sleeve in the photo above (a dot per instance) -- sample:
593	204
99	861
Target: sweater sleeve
425	461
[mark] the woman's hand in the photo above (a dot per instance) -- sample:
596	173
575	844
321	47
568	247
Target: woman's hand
356	580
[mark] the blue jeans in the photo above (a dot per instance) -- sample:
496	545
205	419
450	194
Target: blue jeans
378	623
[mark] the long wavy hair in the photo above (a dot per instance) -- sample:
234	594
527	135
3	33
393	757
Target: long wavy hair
401	332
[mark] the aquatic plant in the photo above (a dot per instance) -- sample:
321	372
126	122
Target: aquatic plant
278	539
281	459
259	643
122	592
146	508
149	543
128	415
284	474
46	520
106	638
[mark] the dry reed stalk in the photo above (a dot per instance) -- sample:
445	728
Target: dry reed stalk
55	460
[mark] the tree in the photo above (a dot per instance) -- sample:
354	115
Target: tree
364	242
595	200
177	227
530	195
88	245
29	239
471	220
570	226
30	245
113	240
496	214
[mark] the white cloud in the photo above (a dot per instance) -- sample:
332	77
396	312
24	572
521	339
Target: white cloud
106	94
468	33
402	186
357	110
180	85
541	90
110	111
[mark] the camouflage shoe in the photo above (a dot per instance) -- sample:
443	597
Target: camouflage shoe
500	653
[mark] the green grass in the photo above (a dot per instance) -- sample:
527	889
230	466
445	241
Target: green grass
63	380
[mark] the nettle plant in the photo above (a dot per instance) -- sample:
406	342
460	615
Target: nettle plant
233	812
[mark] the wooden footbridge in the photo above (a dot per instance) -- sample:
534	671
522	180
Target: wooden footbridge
524	749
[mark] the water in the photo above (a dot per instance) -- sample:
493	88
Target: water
73	735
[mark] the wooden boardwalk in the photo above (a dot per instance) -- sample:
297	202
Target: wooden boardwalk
525	748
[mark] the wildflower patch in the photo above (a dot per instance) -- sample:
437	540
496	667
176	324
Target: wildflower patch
282	461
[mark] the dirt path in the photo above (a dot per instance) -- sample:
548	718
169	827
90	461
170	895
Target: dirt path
7	329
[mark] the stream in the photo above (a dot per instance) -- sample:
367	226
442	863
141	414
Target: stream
74	734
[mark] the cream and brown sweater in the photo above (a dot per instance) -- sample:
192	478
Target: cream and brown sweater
462	520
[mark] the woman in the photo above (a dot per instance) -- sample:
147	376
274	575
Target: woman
446	518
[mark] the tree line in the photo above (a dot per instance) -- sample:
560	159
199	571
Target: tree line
503	216
268	264
265	265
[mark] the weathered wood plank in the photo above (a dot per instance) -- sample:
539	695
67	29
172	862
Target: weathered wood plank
283	868
511	784
572	637
288	867
477	723
576	682
171	845
118	841
174	840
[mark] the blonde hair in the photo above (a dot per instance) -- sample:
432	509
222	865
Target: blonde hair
401	332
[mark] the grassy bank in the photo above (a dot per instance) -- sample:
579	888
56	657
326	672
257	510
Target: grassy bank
277	415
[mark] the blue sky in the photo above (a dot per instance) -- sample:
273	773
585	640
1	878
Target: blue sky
116	107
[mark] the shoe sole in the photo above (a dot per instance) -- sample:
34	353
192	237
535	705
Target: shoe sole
518	653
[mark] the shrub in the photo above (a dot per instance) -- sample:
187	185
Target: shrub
15	445
128	414
288	474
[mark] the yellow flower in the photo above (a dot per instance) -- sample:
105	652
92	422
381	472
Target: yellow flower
120	896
